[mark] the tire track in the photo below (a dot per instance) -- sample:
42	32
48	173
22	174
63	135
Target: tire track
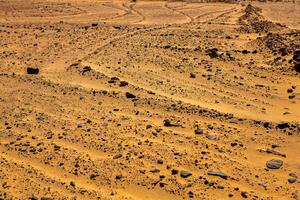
117	38
214	12
190	19
126	11
131	7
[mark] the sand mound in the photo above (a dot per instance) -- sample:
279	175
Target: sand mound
253	22
276	42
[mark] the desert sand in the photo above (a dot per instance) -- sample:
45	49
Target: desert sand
149	100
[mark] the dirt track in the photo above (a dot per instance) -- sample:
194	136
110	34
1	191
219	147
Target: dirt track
149	100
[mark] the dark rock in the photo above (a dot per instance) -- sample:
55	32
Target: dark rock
271	151
46	198
212	53
211	137
72	183
117	156
185	174
209	126
215	173
160	161
192	75
123	83
284	51
113	79
117	27
293	175
168	122
94	24
283	125
274	164
92	176
119	176
292	180
245	51
244	195
130	96
86	69
296	56
191	194
292	96
33	198
198	131
174	171
266	124
297	67
155	170
32	70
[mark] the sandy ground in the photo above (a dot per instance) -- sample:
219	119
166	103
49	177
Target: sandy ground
149	100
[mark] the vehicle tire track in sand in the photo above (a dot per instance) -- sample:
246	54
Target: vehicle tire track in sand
117	38
131	7
189	18
227	11
125	10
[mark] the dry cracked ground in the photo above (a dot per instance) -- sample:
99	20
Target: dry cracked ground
149	100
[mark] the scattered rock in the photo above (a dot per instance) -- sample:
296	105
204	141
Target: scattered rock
117	156
283	125
212	53
292	180
160	161
244	194
86	69
297	67
113	79
123	83
284	51
192	75
216	173
296	56
154	170
198	131
185	174
271	151
174	171
274	164
211	137
130	96
32	70
119	176
168	123
72	183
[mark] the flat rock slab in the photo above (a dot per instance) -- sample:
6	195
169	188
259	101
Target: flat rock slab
185	174
274	164
211	137
216	173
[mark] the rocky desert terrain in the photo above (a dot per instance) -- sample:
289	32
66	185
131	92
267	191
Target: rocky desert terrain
149	100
